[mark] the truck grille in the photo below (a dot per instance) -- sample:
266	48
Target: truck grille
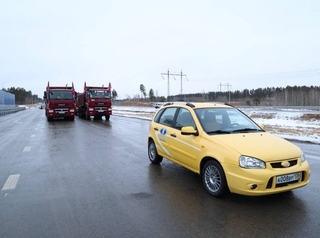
61	110
100	109
100	104
61	104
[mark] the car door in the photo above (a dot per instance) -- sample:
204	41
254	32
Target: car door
185	149
162	129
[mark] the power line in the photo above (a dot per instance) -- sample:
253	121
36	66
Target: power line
281	75
173	74
228	88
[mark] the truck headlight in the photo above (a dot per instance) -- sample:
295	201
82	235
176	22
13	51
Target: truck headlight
251	163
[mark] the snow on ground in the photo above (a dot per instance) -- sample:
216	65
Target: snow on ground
291	124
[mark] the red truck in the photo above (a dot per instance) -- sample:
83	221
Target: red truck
94	102
59	102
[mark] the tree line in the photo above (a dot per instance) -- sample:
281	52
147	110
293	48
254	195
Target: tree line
23	96
270	96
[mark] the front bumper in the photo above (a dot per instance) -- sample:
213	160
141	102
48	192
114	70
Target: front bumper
257	182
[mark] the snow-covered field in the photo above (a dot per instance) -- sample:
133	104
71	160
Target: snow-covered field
292	124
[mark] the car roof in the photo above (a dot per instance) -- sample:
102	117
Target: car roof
196	105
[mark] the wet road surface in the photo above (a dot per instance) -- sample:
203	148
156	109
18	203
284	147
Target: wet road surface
93	179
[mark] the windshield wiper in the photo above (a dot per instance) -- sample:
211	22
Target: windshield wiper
246	130
218	132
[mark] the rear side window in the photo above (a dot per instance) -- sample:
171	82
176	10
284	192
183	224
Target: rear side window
166	117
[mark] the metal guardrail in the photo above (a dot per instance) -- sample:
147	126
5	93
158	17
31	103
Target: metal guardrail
5	111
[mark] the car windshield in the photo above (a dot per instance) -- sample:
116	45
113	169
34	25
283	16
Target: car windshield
99	94
60	95
225	121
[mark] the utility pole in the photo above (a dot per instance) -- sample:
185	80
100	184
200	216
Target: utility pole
181	81
3	84
172	74
226	85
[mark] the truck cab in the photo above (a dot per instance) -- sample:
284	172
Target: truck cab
94	102
59	103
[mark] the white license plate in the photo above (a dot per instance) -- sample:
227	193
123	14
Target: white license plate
288	178
100	111
61	112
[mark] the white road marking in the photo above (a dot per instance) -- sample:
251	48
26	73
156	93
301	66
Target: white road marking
312	156
26	149
11	182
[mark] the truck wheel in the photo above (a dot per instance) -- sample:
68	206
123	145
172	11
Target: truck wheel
87	117
71	118
107	117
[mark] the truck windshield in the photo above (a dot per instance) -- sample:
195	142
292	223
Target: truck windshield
99	94
60	95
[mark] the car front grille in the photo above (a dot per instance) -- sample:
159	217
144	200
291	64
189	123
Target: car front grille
277	165
272	179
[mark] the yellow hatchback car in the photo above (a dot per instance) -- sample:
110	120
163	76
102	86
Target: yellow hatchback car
228	149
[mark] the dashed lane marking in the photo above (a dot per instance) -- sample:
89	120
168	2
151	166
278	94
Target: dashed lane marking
26	149
11	182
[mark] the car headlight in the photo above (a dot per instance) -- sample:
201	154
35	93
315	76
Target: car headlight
303	157
251	163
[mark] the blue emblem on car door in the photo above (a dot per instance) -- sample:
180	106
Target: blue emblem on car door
163	131
162	135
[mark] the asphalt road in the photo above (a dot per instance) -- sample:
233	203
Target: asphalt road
93	179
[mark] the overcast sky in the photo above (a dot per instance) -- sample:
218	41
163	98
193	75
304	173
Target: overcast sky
243	44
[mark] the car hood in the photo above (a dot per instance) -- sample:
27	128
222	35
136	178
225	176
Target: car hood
261	145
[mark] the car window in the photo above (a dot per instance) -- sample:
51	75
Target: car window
158	114
167	116
184	118
226	119
210	119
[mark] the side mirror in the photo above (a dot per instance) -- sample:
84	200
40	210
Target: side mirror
45	95
189	130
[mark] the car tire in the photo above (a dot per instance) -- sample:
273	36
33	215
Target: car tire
154	157
214	179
